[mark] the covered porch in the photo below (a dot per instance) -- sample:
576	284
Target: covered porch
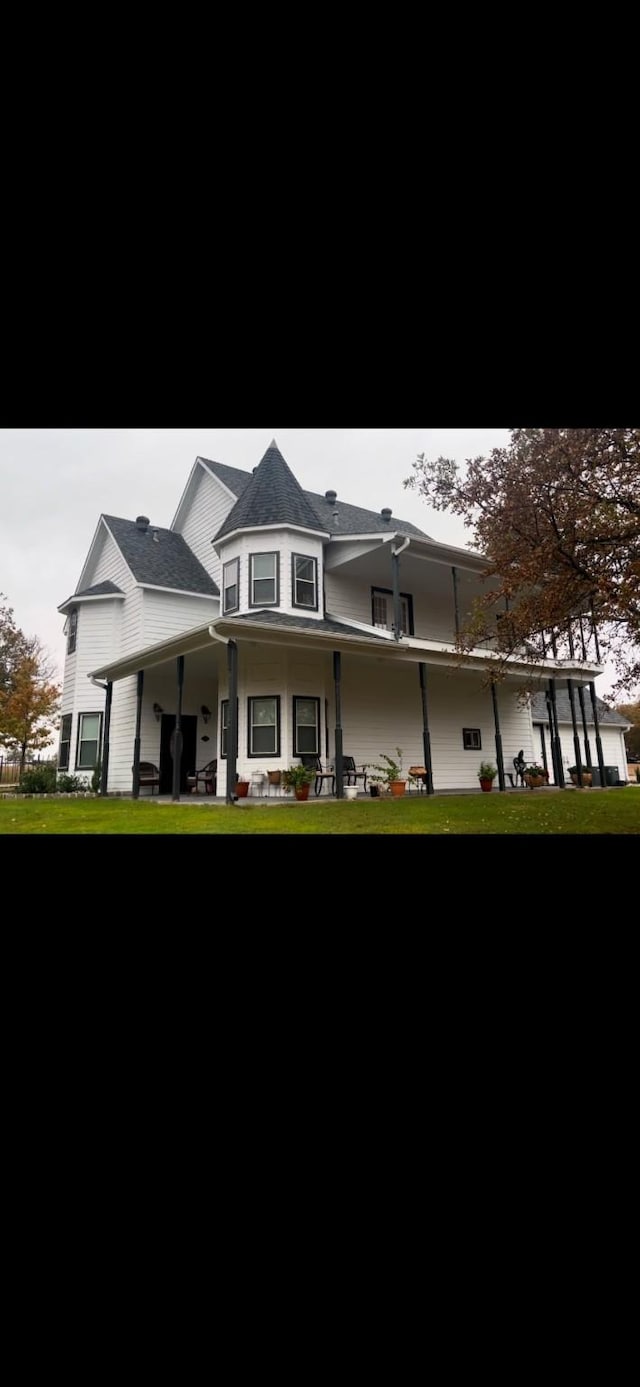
241	692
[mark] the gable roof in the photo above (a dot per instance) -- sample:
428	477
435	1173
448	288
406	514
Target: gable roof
273	496
332	517
101	590
167	562
605	714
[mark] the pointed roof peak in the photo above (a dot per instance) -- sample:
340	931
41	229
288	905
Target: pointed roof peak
273	496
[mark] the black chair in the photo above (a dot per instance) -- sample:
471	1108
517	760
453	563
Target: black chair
351	774
149	775
208	774
314	763
519	765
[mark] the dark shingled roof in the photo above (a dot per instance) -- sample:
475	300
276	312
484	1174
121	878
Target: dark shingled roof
166	563
231	476
336	518
272	497
307	623
100	590
605	715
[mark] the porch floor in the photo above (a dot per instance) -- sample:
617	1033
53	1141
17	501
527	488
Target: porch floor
212	801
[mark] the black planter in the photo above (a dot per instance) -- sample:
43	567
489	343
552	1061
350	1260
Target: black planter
374	791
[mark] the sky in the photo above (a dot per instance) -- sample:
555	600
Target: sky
55	483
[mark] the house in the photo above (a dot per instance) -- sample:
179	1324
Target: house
268	622
612	729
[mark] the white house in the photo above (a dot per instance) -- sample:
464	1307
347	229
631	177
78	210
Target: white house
612	730
270	622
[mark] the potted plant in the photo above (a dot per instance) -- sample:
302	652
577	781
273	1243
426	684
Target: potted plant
534	776
586	775
298	779
486	775
242	787
390	775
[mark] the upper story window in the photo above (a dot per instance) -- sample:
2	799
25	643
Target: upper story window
73	631
382	610
264	580
88	749
65	742
231	586
305	582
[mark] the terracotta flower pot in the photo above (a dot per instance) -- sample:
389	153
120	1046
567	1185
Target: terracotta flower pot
242	789
274	777
397	787
302	791
486	785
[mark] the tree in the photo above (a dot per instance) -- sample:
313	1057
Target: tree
557	514
29	698
631	711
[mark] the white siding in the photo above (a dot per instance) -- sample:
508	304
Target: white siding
209	506
94	646
285	543
109	565
166	614
429	584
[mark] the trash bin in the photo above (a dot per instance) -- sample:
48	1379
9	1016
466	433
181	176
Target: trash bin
611	774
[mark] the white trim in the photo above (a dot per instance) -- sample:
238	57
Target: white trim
184	494
181	592
382	632
95	597
260	529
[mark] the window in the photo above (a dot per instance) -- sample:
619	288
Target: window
382	610
471	739
264	727
73	631
231	586
224	727
305	582
65	742
263	580
89	728
306	726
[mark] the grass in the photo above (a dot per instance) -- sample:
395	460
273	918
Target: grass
580	811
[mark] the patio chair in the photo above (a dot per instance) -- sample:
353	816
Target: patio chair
149	775
314	763
208	775
351	774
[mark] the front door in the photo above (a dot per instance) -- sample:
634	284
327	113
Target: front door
189	727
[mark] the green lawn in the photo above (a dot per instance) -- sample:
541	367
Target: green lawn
580	811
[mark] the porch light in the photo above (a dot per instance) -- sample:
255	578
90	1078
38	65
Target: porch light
157	711
206	712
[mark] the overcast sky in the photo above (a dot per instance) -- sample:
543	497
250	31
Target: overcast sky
54	484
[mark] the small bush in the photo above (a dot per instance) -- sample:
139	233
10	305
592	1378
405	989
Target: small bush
39	781
96	777
68	783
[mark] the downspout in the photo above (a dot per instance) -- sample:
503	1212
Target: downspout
232	726
395	568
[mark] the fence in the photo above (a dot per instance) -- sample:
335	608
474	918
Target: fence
10	767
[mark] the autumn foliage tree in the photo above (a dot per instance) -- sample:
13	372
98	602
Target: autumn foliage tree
29	696
557	514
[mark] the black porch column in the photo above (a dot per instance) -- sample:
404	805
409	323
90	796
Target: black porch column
596	722
105	739
456	608
576	739
559	768
338	756
543	744
496	719
232	728
426	735
587	748
136	740
552	740
177	736
397	609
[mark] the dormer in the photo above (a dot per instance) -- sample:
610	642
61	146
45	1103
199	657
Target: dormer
271	546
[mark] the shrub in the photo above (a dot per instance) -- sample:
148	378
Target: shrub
96	777
39	781
68	783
